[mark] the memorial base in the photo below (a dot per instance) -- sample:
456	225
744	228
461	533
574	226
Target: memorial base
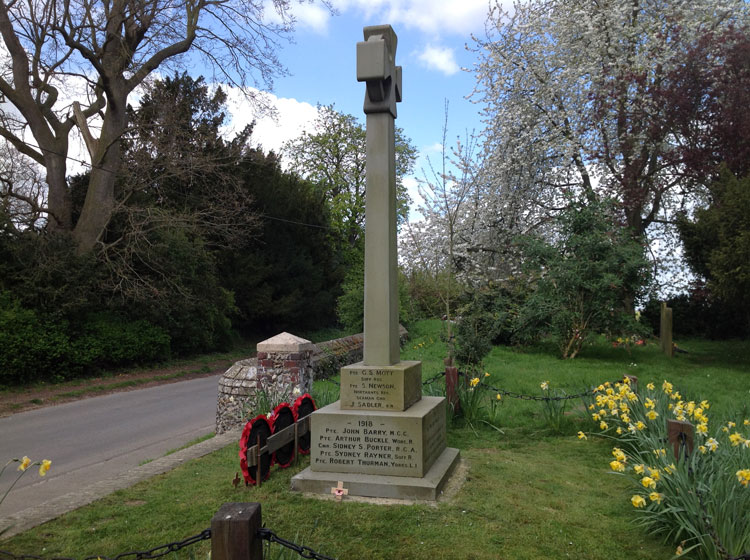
426	488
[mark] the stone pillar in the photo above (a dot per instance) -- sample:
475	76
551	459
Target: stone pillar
382	438
285	359
282	369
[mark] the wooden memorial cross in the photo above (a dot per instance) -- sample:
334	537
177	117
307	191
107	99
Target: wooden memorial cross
339	491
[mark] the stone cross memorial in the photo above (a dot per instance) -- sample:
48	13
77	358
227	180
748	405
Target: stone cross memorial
382	438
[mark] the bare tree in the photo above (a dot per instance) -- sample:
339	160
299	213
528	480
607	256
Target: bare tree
111	47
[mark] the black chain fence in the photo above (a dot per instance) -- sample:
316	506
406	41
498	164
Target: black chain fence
159	551
303	551
156	552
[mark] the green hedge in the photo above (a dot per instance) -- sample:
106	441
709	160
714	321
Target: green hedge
35	348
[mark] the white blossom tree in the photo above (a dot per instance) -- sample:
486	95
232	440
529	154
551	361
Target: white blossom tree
572	97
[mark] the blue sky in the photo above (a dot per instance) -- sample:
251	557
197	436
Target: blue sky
432	39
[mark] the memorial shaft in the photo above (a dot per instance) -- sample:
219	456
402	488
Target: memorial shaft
376	66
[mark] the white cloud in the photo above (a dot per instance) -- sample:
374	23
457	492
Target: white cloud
431	16
305	15
291	119
439	58
312	16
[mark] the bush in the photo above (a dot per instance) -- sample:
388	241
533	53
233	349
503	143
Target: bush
350	305
700	501
31	348
584	280
109	340
696	314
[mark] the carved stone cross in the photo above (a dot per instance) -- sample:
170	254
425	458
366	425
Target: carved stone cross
376	67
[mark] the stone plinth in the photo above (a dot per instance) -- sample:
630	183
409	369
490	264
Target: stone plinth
387	388
385	443
427	487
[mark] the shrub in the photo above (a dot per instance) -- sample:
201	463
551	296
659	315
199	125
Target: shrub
350	305
698	501
698	314
110	340
583	279
30	346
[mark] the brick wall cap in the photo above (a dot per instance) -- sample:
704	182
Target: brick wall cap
285	342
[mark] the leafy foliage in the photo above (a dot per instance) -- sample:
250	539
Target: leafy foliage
582	279
333	157
717	241
289	273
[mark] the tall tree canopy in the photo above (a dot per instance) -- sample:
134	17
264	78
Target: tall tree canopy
573	97
333	156
73	63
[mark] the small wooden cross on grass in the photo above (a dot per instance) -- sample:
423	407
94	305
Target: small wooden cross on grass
339	491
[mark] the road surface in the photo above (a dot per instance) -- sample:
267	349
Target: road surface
96	438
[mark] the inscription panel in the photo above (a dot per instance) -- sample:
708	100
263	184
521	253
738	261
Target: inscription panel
394	444
386	388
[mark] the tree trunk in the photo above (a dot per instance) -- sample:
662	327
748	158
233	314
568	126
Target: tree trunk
58	197
99	203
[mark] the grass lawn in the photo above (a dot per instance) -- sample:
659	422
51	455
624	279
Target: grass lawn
529	494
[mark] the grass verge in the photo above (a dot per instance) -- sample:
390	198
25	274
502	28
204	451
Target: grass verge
528	494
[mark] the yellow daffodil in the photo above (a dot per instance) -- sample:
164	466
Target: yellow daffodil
652	414
648	482
649	403
474	382
498	397
603	425
640	426
731	424
544	385
617	466
656	497
638	501
44	467
702	449
619	455
638	469
746	422
669	469
619	431
596	417
25	462
486	374
702	429
736	439
743	477
654	473
581	435
712	444
650	386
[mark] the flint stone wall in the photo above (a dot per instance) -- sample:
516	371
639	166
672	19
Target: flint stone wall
276	375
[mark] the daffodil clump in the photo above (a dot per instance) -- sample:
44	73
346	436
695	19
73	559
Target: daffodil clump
690	495
554	406
477	405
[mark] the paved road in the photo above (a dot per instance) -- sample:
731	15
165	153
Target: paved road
97	438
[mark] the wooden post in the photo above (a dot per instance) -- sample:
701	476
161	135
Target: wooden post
234	532
678	431
451	387
665	330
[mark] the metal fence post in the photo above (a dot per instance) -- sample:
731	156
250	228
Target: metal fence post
234	532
